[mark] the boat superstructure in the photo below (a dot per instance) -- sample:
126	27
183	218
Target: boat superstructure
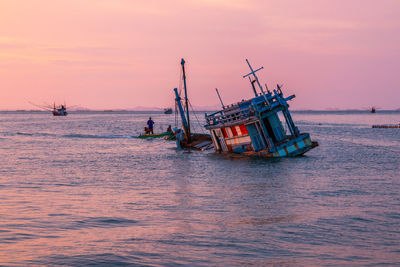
256	126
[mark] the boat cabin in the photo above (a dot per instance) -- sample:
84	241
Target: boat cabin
260	126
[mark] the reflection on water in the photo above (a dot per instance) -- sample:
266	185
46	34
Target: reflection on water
82	190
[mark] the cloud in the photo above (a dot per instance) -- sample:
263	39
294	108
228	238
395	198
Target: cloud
7	42
88	63
17	51
228	4
83	50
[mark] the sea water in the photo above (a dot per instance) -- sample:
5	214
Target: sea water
82	190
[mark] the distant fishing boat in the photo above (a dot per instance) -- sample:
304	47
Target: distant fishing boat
60	110
373	110
185	139
167	110
254	126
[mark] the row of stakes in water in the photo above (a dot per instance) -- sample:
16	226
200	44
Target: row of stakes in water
387	126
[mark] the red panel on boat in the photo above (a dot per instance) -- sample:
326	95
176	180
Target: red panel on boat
224	132
234	131
243	129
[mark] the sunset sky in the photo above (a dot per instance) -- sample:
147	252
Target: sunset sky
108	54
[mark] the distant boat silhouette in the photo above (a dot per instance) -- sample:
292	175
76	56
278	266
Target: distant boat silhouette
373	110
60	110
167	110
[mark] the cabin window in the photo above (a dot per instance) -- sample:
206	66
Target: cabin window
274	128
285	127
269	129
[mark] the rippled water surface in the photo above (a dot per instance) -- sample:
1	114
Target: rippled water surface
81	190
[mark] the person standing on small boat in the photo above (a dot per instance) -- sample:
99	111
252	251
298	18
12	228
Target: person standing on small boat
150	124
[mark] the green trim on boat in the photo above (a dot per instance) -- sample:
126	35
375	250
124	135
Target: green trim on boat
165	135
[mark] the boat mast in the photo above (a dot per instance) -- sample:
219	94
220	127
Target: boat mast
181	112
222	104
186	100
253	72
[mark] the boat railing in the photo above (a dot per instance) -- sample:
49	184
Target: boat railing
237	113
222	117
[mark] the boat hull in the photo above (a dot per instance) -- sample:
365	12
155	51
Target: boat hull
165	135
197	142
240	141
296	149
60	114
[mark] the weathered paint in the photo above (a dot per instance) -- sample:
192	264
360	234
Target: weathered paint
243	129
253	127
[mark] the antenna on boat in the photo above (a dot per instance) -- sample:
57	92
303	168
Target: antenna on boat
253	72
252	85
186	100
266	87
216	89
279	88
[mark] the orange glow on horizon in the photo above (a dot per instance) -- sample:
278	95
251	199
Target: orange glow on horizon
121	54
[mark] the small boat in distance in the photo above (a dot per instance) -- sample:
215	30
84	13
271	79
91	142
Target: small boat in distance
60	110
185	139
254	126
373	110
167	110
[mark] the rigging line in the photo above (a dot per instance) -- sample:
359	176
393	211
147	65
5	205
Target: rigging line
180	83
44	107
176	115
197	119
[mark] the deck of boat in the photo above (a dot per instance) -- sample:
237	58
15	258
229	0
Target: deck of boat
199	142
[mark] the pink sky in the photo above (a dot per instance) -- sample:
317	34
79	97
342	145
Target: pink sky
105	54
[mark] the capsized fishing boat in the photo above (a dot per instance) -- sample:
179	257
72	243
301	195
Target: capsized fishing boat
255	127
185	139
